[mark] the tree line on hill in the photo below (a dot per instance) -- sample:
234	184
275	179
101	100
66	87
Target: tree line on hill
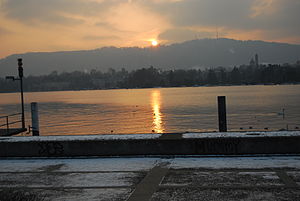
153	77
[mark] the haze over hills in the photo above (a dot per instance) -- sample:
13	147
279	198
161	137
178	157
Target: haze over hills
204	53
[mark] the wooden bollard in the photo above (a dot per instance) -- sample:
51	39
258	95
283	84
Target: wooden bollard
222	113
35	119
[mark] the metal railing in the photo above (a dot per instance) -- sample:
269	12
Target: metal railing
7	124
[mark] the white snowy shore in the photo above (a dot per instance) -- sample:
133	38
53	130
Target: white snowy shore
148	136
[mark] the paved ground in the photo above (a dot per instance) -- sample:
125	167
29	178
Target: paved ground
155	179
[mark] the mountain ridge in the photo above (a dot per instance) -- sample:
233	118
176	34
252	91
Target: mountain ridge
201	53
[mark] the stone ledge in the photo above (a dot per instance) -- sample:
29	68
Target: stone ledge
65	146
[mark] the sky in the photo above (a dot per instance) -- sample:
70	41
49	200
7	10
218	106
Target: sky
62	25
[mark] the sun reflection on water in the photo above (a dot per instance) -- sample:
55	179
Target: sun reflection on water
157	116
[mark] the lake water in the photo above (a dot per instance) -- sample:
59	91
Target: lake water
159	110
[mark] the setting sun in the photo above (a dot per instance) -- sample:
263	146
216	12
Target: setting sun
154	42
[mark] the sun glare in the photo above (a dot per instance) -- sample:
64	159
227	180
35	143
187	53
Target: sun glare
154	42
157	115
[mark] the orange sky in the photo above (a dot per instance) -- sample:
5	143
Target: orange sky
58	25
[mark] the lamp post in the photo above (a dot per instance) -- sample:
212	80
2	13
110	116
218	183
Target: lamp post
20	78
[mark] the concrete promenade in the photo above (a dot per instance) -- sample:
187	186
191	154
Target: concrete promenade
259	166
272	178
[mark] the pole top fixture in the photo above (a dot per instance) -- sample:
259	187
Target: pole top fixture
20	63
20	69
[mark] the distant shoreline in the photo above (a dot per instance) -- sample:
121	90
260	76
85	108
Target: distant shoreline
237	85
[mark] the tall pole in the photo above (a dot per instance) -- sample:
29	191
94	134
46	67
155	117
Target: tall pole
20	69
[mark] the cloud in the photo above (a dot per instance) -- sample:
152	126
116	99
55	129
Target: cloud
229	14
263	16
182	34
108	26
202	13
88	24
104	24
95	37
4	31
262	7
54	11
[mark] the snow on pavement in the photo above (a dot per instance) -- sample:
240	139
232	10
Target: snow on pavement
78	137
116	178
242	134
144	164
237	162
79	165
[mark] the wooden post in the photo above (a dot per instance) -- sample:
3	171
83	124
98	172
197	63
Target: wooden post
222	113
35	119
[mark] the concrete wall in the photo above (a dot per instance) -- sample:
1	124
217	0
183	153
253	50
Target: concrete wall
199	146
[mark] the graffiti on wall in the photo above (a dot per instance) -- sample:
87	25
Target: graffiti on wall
51	149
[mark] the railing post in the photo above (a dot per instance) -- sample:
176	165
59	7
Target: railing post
7	125
222	113
35	119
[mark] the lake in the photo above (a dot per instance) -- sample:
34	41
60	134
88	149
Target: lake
159	110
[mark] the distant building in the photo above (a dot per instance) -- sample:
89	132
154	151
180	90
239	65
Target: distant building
256	60
252	62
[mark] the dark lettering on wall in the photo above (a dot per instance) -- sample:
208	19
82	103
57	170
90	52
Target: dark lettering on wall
217	147
51	149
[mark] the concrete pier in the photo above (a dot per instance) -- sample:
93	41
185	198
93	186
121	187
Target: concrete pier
152	144
152	179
